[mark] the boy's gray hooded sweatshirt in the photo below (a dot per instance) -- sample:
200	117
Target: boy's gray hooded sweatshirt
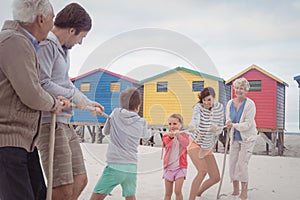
125	129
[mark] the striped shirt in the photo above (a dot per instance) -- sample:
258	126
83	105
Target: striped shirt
202	120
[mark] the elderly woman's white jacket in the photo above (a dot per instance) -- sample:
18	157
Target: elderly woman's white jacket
247	125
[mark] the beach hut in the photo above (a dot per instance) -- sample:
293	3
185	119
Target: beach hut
297	78
268	93
176	90
104	87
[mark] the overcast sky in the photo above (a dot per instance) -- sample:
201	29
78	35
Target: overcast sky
217	37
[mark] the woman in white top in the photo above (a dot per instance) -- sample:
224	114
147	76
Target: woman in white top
240	113
207	123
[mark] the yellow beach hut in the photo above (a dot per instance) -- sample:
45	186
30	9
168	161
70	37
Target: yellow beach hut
177	91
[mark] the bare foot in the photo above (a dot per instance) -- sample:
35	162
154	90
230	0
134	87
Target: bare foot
243	196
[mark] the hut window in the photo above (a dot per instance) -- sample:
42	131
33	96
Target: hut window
255	85
198	86
85	87
115	86
162	87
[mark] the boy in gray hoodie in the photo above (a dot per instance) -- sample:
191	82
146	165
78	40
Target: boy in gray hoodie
126	128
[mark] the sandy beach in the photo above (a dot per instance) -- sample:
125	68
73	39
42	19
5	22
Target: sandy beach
271	177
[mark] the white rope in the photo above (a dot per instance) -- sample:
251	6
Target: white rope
92	108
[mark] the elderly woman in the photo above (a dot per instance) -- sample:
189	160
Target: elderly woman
240	113
207	123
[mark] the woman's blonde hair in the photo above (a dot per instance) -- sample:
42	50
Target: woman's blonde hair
242	82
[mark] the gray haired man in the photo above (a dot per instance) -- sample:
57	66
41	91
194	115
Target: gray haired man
22	99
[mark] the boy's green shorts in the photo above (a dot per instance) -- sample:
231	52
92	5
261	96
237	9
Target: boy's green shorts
115	174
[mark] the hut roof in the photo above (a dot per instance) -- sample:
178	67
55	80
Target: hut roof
105	71
182	69
297	78
258	69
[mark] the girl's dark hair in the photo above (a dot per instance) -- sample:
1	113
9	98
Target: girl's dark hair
130	99
74	16
206	92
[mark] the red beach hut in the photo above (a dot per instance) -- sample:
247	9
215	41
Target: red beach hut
268	93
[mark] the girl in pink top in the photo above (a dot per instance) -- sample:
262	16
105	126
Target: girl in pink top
175	157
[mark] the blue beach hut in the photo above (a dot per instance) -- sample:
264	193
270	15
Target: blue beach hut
102	86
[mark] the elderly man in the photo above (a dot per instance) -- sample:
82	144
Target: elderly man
22	99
